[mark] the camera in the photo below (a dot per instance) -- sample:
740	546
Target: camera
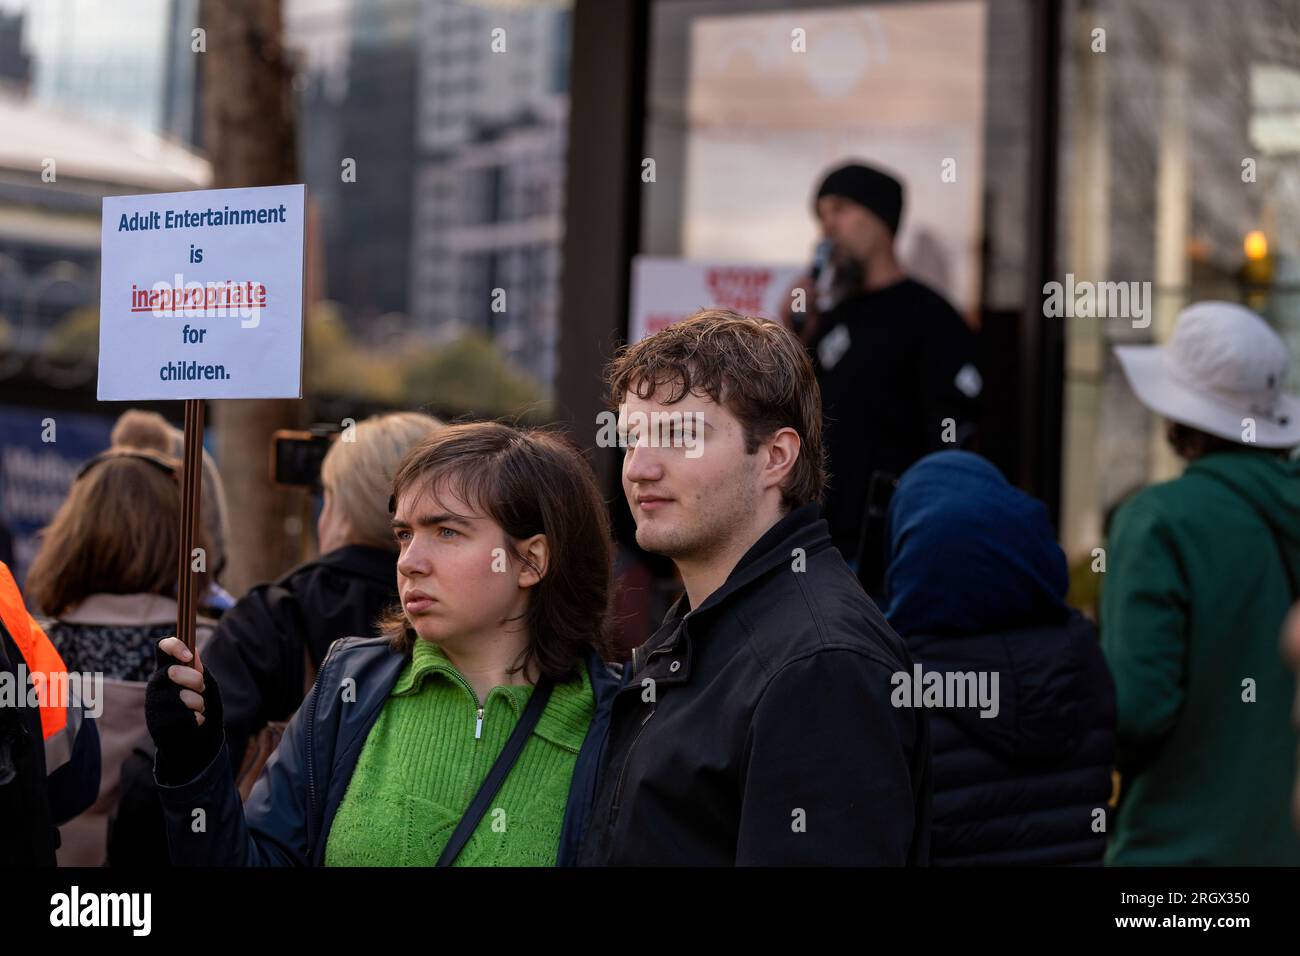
296	456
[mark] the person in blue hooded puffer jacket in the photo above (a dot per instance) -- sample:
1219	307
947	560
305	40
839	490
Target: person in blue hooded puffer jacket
976	586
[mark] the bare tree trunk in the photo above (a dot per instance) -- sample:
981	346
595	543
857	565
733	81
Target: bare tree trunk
248	116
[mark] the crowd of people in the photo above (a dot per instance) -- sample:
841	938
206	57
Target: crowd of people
439	686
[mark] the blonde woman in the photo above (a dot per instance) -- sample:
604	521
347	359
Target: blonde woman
268	647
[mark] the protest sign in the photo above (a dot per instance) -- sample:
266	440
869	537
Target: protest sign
666	290
201	295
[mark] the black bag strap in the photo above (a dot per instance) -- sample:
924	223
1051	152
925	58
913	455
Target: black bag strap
497	775
872	547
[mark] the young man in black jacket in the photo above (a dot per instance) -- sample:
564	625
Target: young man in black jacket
755	726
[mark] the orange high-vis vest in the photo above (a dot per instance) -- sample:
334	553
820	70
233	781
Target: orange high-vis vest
38	652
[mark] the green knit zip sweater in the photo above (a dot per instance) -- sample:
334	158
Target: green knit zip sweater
422	764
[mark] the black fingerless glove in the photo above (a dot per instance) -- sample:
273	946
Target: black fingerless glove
184	748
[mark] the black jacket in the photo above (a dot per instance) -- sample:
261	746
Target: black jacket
287	819
257	649
977	589
27	833
1030	785
757	728
257	653
35	798
892	365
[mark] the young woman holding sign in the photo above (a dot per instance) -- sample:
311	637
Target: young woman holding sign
470	732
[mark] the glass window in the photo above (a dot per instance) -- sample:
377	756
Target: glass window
749	104
748	108
1180	175
444	131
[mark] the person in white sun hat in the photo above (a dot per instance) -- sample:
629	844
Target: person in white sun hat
1221	374
1201	571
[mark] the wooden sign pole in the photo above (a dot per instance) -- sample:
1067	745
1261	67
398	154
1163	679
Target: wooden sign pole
191	495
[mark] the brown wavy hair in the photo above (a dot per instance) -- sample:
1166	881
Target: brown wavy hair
755	369
117	532
529	481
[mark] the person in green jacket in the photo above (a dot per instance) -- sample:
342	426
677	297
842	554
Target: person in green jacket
503	573
1201	572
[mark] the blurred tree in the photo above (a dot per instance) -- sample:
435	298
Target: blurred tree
470	377
337	366
247	77
76	338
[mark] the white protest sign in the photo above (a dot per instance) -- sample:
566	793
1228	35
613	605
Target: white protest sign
201	295
666	290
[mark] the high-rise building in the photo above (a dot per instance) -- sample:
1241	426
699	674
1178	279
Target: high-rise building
15	64
129	64
356	105
489	180
182	89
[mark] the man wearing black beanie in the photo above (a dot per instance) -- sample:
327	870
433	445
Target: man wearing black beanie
895	362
